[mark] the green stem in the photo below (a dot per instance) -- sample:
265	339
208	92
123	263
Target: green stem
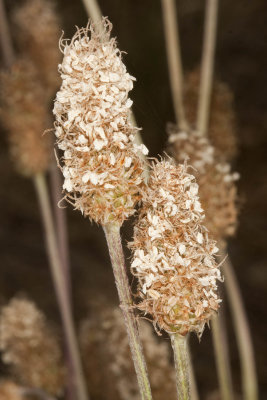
207	66
244	341
60	285
181	360
174	60
112	232
221	356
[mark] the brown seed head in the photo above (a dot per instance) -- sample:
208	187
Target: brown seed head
222	124
24	116
30	347
217	189
38	31
173	256
102	166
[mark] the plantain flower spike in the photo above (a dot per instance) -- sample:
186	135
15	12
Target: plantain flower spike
102	166
25	118
217	188
38	41
30	347
173	256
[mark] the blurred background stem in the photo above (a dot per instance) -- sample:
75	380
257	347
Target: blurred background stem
207	65
174	58
244	341
5	37
59	281
222	357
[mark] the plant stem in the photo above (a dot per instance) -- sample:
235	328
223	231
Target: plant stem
181	360
60	285
244	341
112	232
222	359
207	65
174	60
60	216
5	37
192	378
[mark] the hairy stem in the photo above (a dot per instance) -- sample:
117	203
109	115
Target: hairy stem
207	65
244	341
174	60
60	285
181	361
5	37
222	359
192	378
112	232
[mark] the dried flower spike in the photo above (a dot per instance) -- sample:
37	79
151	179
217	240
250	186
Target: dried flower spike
38	40
217	188
24	116
173	255
222	124
102	167
25	335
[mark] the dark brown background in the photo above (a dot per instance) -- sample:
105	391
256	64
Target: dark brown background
241	61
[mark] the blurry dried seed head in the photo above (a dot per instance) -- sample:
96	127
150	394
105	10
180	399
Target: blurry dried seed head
101	164
222	124
217	188
9	391
30	347
38	31
24	116
173	256
103	339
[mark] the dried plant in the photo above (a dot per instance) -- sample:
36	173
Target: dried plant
102	166
38	41
178	288
222	122
30	347
217	189
24	116
103	337
9	391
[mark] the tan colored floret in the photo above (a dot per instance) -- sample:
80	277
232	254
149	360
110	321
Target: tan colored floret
9	391
37	31
25	117
30	347
101	164
173	256
217	188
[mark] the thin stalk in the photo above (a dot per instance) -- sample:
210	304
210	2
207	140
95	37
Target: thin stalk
112	232
5	37
60	285
207	65
174	60
222	359
61	224
244	341
181	361
192	378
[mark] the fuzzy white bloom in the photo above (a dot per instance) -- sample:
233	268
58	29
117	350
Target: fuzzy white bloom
93	127
173	256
